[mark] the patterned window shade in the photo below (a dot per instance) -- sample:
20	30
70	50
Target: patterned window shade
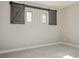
52	17
17	14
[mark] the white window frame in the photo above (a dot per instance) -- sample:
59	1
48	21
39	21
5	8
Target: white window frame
26	16
46	18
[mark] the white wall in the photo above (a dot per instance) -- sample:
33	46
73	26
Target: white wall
36	33
70	24
23	35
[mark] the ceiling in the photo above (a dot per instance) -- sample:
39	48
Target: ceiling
52	4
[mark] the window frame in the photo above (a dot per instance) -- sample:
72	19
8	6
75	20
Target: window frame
46	18
26	16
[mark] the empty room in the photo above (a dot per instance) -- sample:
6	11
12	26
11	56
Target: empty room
39	29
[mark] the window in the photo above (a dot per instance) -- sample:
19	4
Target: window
52	17
44	18
17	14
29	16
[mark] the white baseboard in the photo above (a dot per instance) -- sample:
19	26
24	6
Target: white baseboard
30	47
70	44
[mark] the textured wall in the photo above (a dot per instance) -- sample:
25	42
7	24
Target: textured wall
23	35
70	24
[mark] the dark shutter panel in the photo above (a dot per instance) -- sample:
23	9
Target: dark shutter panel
52	17
17	14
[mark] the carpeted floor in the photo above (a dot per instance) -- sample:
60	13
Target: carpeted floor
53	51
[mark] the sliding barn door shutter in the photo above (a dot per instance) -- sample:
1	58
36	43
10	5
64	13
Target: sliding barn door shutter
52	17
17	14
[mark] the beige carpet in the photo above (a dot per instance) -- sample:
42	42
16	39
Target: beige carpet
56	51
